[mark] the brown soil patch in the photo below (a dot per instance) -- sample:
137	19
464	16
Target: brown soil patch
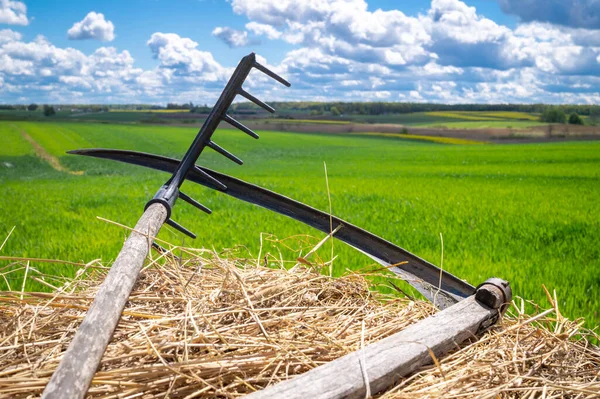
45	155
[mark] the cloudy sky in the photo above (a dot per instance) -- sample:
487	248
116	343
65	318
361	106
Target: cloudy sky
158	51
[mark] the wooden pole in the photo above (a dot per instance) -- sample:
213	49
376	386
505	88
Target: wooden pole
380	365
74	374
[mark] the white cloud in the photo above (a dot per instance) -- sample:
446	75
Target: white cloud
415	95
31	58
450	37
13	13
573	13
180	56
557	50
453	19
280	12
340	27
7	35
93	26
433	68
340	50
263	29
343	42
40	71
232	37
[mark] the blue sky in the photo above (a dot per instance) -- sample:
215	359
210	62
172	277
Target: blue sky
158	51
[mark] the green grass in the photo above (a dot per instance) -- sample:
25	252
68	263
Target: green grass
527	212
37	115
13	144
411	119
124	116
152	111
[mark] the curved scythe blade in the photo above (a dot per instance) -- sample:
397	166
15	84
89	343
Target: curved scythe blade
419	273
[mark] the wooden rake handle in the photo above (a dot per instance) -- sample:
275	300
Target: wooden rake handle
74	374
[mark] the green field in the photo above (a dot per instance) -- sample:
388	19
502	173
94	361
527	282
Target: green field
527	212
133	116
454	119
114	116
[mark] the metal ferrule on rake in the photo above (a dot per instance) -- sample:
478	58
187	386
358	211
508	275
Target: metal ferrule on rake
170	191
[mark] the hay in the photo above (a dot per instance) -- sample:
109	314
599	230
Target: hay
220	327
525	357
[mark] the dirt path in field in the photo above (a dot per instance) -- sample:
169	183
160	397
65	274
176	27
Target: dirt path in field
45	155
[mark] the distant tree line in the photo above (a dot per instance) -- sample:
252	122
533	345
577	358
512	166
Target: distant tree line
49	110
73	107
548	113
380	108
554	114
340	108
187	106
201	109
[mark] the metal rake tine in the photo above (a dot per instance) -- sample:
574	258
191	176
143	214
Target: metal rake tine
159	248
214	181
255	100
180	228
193	202
272	74
163	251
243	128
224	152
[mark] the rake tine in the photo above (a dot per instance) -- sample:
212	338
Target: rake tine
193	202
243	128
180	228
162	250
158	247
271	74
224	152
255	100
214	181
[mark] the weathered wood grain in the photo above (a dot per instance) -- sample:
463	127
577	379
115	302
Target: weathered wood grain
78	366
389	359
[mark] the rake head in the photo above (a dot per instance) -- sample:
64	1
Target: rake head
170	191
439	286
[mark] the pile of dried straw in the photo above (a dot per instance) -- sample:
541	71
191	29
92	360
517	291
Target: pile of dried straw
213	327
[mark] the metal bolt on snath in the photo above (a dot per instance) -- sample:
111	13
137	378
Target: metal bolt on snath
465	310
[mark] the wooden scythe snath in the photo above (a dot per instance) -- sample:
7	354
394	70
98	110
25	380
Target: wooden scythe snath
466	311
